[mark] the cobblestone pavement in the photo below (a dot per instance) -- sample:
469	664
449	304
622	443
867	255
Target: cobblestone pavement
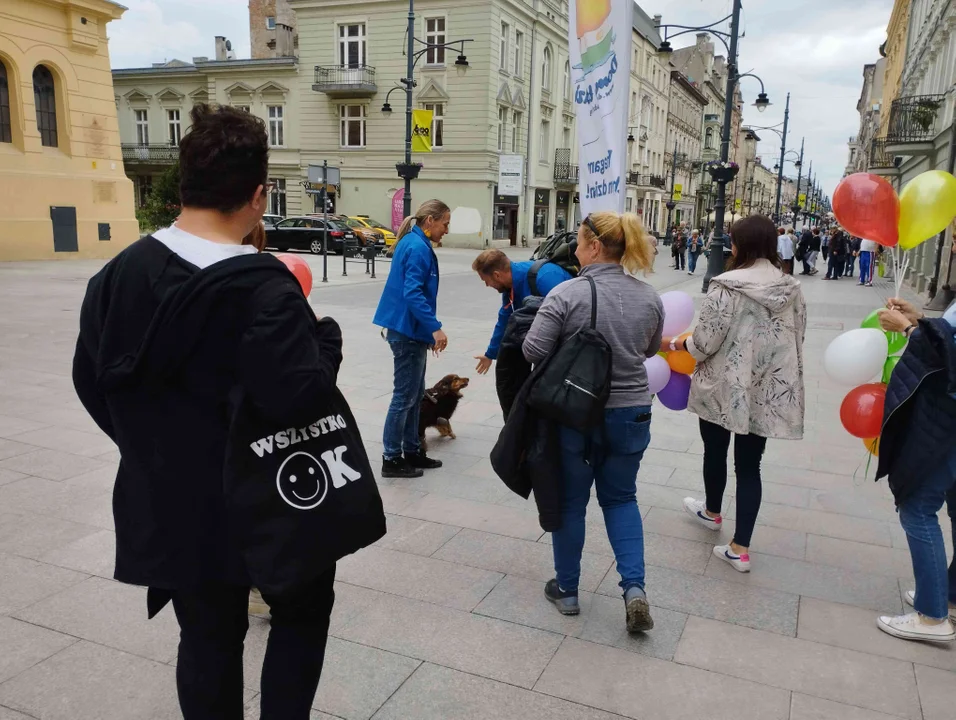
445	618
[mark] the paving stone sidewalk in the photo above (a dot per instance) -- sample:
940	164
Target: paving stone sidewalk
444	619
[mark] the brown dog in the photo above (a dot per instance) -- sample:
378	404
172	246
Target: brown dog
439	405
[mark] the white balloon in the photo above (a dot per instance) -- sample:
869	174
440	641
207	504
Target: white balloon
856	356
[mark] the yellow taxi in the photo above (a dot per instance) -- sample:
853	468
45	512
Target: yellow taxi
364	221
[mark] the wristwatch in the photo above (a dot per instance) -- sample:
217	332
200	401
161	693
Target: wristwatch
673	344
909	331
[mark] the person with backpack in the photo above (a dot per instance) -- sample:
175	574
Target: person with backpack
602	401
196	354
516	281
802	253
837	245
852	252
695	246
748	383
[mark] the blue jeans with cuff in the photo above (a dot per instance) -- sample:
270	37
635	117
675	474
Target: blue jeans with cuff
401	422
918	516
615	453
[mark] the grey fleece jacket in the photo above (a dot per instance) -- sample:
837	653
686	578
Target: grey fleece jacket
630	316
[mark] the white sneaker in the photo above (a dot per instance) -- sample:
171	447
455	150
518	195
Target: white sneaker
912	627
910	598
740	563
697	509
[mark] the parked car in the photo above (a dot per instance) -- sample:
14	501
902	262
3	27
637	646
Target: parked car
365	221
366	236
271	220
306	233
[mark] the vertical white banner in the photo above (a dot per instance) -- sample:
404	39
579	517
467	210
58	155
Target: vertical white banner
600	42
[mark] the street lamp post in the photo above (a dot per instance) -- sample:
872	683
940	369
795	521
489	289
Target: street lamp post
795	208
783	154
670	205
407	171
715	264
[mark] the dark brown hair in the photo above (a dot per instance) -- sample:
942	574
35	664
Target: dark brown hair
256	237
489	261
755	238
222	159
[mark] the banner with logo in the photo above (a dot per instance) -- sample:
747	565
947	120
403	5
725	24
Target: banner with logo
600	48
422	130
738	203
678	193
802	199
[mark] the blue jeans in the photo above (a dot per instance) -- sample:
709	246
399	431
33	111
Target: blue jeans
919	520
401	423
692	260
615	457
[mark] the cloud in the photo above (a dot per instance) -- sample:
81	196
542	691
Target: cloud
160	30
815	50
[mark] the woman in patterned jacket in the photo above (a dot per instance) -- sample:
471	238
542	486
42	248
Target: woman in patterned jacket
748	345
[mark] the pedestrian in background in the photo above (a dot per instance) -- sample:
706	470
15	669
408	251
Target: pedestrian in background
630	316
868	250
815	244
853	251
748	383
825	243
838	250
785	250
407	310
918	455
694	247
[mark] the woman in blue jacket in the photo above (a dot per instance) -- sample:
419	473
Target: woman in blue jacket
408	311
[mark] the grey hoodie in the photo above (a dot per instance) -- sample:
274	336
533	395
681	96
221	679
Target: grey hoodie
748	345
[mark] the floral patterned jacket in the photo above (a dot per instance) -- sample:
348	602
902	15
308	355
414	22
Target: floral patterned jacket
748	345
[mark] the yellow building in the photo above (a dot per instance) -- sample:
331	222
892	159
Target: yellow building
894	50
63	192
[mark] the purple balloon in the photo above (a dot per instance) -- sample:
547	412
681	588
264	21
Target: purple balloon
675	394
658	373
678	312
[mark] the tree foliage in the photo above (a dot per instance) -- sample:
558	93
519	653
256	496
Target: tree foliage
163	204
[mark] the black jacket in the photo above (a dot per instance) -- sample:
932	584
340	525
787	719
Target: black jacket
527	456
511	369
919	417
838	244
815	243
163	349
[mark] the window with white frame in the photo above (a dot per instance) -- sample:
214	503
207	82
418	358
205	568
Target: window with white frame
502	121
435	35
567	82
567	138
352	45
142	126
438	123
546	70
175	127
271	23
515	132
505	31
276	126
544	141
519	53
352	120
277	204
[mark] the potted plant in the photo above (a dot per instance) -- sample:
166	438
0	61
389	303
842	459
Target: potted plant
408	171
722	172
925	113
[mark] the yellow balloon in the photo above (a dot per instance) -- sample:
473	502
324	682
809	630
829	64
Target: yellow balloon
927	207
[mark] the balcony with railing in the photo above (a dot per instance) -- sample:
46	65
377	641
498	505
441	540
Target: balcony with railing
646	181
565	172
915	121
150	154
881	162
345	81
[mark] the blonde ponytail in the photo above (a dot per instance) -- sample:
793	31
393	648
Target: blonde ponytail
624	240
434	209
638	251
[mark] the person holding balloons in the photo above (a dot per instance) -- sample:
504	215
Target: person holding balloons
748	345
612	248
918	455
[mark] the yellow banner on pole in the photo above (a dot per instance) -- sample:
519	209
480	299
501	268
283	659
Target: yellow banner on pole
738	203
421	130
678	192
802	199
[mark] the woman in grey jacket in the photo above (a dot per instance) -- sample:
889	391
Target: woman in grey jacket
630	316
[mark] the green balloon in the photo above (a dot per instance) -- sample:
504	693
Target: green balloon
889	366
896	341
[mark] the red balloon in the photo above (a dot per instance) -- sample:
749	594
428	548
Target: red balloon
862	410
300	268
868	207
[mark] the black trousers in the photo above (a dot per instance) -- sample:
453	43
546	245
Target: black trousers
748	451
213	622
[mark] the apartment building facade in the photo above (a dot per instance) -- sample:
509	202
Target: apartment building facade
685	122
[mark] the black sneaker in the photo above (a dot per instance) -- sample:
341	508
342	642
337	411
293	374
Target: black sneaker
421	461
564	600
399	468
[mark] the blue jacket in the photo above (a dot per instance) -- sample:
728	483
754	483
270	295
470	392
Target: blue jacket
409	302
550	276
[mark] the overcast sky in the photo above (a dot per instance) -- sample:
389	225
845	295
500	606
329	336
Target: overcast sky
814	49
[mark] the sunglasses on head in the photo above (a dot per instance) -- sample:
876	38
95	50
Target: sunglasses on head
587	221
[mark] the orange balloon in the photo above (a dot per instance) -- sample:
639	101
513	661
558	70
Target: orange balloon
681	362
873	445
